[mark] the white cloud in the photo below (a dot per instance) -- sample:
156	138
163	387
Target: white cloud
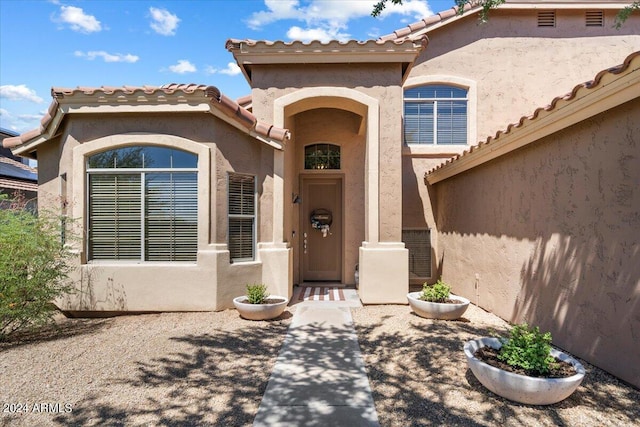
164	22
19	93
107	57
309	34
231	70
19	123
326	19
78	20
182	67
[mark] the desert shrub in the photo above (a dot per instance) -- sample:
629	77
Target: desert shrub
34	268
257	294
527	348
438	292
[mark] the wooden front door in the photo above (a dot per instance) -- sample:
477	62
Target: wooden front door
321	251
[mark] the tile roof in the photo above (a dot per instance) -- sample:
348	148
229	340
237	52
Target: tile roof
16	184
238	114
15	169
404	32
314	45
630	64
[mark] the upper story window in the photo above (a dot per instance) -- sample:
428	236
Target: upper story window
322	156
143	204
435	114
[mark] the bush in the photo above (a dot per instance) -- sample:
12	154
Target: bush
257	294
438	292
34	268
527	348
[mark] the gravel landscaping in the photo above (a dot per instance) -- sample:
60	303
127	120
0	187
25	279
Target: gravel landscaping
212	369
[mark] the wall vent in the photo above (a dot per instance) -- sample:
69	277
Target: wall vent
594	18
547	18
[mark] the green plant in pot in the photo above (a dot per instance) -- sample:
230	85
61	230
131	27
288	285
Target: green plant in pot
438	292
257	293
524	367
258	304
436	302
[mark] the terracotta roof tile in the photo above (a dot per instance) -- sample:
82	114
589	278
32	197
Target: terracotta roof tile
590	85
19	165
228	106
236	43
429	21
18	185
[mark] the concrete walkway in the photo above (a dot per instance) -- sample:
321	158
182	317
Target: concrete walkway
319	378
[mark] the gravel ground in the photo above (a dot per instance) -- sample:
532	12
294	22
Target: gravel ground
419	377
212	369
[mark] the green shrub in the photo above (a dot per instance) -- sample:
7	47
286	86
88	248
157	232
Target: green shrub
257	294
34	268
438	292
527	348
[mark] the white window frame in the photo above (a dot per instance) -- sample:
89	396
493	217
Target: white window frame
141	172
253	217
472	111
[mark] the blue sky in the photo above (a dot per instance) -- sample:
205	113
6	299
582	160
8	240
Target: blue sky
66	43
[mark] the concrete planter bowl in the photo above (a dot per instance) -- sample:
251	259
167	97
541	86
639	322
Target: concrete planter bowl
260	311
436	310
521	388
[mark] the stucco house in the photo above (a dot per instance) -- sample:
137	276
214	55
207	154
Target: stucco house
184	196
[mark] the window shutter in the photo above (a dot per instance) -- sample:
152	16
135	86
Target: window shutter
418	243
171	216
242	210
114	216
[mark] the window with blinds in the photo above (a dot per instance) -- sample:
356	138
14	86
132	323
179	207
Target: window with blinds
435	114
418	243
143	205
242	217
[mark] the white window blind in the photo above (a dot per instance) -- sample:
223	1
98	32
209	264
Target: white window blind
242	217
435	114
418	243
114	216
143	205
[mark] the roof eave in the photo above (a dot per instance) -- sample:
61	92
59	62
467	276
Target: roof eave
612	90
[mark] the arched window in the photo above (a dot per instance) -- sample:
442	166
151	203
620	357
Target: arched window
143	204
322	156
435	114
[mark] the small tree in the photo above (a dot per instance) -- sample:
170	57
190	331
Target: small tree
34	267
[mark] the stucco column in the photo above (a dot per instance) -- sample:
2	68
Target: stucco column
384	266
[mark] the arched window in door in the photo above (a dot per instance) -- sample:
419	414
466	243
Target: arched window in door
322	156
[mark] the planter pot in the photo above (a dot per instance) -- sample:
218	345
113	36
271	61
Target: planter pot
260	311
437	310
521	388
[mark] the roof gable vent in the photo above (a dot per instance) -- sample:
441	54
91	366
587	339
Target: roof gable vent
547	18
594	18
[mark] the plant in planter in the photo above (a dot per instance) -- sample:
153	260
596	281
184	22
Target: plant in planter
437	302
524	367
257	304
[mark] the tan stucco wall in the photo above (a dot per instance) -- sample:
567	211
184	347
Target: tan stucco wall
549	234
211	282
379	81
519	67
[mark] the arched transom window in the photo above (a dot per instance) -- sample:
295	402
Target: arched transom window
322	156
143	204
435	114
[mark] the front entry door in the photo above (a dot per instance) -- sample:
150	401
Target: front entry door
321	252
